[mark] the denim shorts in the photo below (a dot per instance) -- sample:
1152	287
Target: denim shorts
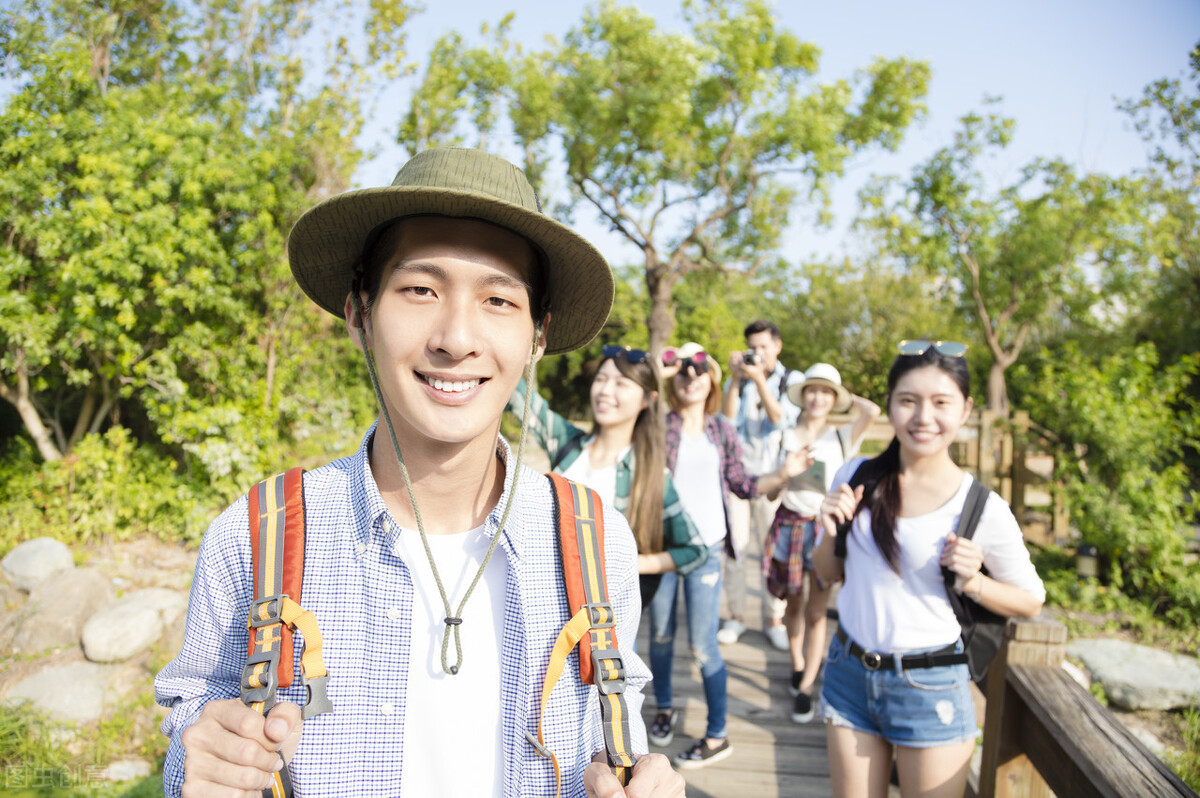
917	708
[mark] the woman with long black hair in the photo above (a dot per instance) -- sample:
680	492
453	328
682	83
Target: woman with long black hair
896	680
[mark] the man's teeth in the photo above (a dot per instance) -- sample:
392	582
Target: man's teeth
452	386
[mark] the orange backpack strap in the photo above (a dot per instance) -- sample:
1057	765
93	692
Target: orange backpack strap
592	626
277	548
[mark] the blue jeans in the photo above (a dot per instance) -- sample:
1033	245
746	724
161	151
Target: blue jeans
702	596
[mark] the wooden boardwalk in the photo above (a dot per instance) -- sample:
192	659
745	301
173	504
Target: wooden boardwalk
772	757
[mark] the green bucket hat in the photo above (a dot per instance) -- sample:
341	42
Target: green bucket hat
326	243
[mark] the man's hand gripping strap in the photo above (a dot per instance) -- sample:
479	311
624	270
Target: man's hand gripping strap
277	547
592	625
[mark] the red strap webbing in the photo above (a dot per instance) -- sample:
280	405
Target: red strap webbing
277	545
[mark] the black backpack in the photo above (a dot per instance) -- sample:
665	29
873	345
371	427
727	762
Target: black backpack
982	630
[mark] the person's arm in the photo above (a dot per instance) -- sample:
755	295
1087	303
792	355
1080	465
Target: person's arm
731	398
738	482
837	507
681	539
1012	587
793	465
866	412
551	431
225	743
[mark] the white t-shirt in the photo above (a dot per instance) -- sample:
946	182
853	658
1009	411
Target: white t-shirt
601	480
447	715
891	613
697	479
805	493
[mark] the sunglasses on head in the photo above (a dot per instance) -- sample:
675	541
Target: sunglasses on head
631	355
698	362
920	347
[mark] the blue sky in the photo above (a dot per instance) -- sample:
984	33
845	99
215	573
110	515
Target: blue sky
1058	64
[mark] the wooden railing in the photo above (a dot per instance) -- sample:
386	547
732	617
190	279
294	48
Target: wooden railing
1044	734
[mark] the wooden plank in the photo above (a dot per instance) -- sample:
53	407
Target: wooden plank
1079	747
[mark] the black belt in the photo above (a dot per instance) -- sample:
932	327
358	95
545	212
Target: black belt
873	660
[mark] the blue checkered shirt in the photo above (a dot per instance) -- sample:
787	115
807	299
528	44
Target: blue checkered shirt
351	578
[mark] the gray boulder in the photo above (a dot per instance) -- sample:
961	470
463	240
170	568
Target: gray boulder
59	607
31	562
132	624
1138	677
75	693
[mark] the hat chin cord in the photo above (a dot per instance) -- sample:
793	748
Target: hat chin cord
453	620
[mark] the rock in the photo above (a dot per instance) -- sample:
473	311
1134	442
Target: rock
132	624
34	560
126	770
76	693
59	607
1138	677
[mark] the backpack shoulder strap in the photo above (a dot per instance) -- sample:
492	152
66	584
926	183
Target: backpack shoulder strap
592	626
977	496
843	437
783	382
839	545
277	549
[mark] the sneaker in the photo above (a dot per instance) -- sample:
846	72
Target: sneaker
802	708
662	730
794	687
730	631
777	635
700	755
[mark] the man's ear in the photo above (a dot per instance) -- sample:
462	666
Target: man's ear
539	338
354	321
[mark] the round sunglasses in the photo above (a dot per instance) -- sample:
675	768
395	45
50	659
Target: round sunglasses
697	363
631	355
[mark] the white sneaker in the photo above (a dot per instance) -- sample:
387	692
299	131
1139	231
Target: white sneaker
730	631
777	635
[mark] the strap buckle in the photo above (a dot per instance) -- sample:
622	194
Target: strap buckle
263	693
871	660
597	610
608	686
274	611
318	702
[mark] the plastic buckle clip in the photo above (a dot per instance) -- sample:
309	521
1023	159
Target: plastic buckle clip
608	686
318	702
594	615
274	612
264	693
542	750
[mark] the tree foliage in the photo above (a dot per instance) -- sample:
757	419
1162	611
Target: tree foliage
694	146
152	158
1022	257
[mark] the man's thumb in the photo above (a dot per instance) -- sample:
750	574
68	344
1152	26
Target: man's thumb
282	720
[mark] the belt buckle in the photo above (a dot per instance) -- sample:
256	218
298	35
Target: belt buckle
871	660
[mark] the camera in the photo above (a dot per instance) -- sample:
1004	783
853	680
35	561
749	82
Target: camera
749	358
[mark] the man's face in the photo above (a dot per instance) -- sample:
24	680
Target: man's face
767	347
450	328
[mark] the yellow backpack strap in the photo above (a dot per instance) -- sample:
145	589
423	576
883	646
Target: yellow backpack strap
277	548
592	626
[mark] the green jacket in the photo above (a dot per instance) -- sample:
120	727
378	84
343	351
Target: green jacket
564	443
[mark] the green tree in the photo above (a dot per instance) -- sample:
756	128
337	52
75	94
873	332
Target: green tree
693	146
1122	421
152	158
1021	256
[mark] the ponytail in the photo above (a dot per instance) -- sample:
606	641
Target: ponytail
881	495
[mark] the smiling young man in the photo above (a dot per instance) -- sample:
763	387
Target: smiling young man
431	562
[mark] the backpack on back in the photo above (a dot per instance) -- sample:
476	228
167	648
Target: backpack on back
277	544
981	629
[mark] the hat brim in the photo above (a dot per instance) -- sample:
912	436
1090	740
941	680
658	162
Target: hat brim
795	393
326	243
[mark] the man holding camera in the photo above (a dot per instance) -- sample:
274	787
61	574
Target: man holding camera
756	401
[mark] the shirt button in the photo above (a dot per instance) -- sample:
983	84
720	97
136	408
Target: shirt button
387	709
393	614
360	549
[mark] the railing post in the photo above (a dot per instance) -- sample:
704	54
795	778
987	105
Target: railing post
1019	435
987	449
1005	771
